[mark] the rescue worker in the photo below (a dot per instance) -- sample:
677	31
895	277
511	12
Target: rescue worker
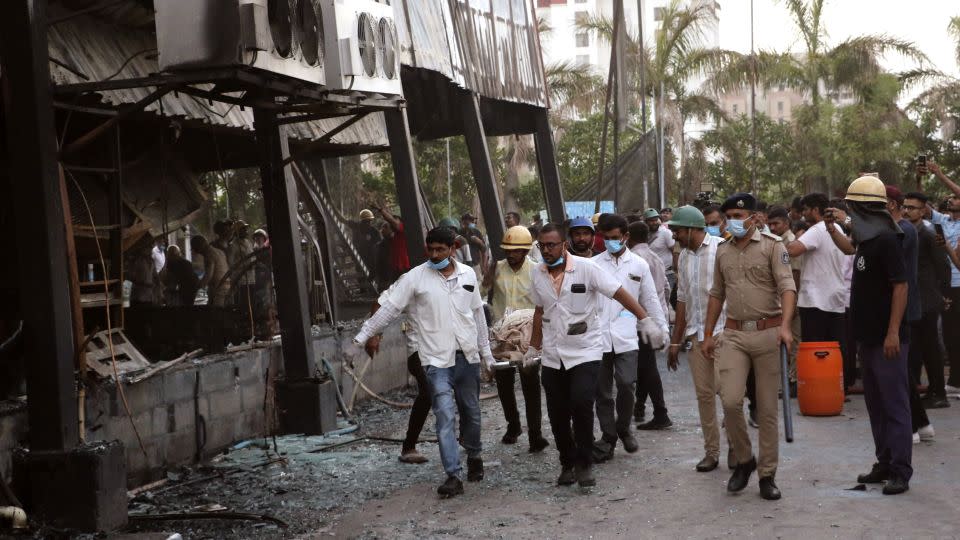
618	366
566	291
695	271
452	339
581	232
753	276
878	301
215	270
508	287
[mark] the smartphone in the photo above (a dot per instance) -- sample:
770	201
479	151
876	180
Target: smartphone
922	160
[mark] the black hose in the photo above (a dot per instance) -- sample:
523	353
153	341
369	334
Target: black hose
13	339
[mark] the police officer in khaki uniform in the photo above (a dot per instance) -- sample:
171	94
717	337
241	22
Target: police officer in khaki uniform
753	276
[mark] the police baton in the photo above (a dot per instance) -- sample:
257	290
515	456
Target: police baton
785	392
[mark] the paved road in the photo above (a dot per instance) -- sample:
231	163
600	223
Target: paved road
657	494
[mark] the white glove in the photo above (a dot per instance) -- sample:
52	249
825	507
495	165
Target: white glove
651	333
487	360
531	357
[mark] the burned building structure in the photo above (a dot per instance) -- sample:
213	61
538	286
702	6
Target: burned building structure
111	112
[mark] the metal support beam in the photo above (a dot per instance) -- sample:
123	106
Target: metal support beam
547	166
280	203
328	136
324	230
41	237
408	186
483	173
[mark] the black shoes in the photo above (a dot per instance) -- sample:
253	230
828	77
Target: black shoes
639	412
474	469
584	474
567	477
895	486
451	488
768	489
741	475
656	424
708	464
603	451
510	437
931	401
629	443
878	474
537	444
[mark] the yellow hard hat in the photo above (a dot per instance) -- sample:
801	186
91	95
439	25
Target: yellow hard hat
867	189
596	218
517	237
366	215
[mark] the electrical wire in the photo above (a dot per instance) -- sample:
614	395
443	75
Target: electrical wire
106	296
127	61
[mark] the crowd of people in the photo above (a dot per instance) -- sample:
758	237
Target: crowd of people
875	271
234	269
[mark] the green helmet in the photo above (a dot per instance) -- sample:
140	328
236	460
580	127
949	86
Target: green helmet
651	213
687	216
449	222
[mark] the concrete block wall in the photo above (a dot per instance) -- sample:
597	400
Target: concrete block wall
230	402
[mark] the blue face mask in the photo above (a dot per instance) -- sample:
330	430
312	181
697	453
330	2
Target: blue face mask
556	263
736	228
713	230
440	265
472	225
613	246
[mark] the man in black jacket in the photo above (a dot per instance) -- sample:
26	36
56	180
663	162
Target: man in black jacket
933	279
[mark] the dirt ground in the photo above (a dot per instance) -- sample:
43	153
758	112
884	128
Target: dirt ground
360	490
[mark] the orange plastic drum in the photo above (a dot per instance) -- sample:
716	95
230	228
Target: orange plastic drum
820	378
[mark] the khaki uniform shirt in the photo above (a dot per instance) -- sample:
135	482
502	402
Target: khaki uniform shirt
511	290
796	263
753	278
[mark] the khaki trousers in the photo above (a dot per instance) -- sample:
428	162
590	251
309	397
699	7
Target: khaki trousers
739	350
705	384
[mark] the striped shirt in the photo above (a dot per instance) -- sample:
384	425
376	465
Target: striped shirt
694	280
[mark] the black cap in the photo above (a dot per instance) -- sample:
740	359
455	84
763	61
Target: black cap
743	201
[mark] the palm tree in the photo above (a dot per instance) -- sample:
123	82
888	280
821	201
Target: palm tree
852	65
942	99
673	58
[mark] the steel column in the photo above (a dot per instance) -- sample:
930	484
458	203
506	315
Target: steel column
280	203
40	235
547	166
483	173
408	188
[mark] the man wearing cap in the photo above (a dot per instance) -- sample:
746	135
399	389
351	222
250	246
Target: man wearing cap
581	232
566	324
694	279
753	277
618	367
508	288
365	238
661	240
878	302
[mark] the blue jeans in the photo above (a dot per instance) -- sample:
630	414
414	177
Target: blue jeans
452	389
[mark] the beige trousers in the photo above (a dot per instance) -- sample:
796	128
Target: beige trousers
705	384
738	351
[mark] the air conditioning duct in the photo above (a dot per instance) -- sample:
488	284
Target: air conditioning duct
363	48
284	37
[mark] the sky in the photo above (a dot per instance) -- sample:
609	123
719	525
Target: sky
923	22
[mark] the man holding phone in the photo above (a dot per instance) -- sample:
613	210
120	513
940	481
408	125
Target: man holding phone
949	233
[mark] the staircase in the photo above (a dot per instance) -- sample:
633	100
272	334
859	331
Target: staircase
355	278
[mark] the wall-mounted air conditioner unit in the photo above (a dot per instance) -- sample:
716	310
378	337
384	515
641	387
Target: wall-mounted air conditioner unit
364	33
278	36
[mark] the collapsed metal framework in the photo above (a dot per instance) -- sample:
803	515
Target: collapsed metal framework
491	83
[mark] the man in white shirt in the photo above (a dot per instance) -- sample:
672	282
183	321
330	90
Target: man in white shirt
823	291
648	376
694	279
159	254
452	338
661	240
618	367
566	324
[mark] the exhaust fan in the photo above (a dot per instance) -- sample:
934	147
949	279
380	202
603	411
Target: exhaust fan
362	45
285	37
